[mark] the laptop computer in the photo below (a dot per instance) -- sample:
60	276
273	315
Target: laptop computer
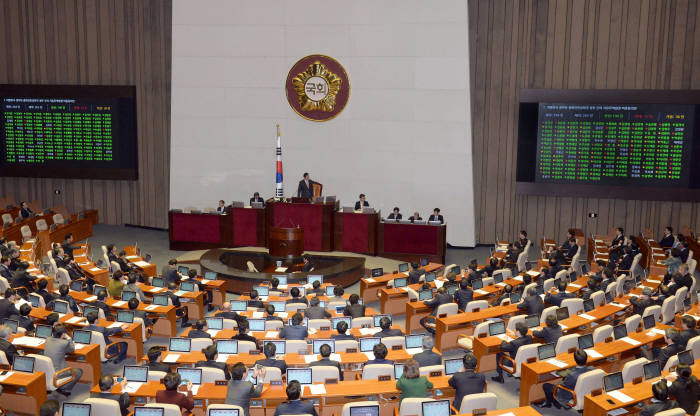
620	331
77	409
239	305
562	313
497	328
368	343
371	410
649	321
477	284
43	331
588	305
13	324
158	282
452	366
585	341
262	290
193	375
403	267
336	321
76	286
424	261
82	337
686	357
279	305
613	382
127	295
378	319
180	345
136	373
398	370
652	370
256	325
187	286
317	343
436	407
227	346
149	411
413	341
377	272
532	321
430	277
215	323
400	282
302	375
60	306
515	298
126	317
23	363
161	299
209	275
546	351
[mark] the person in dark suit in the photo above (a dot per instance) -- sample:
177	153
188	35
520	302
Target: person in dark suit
573	249
415	217
551	271
436	216
100	303
672	338
68	246
24	211
316	289
210	353
106	383
507	291
296	297
619	238
512	347
686	389
395	214
387	331
415	273
569	382
441	298
5	268
354	309
172	396
14	259
532	303
550	333
180	313
255	301
305	188
269	313
625	262
62	261
243	335
467	381
5	345
199	330
325	352
660	401
684	251
427	357
688	330
308	266
22	278
133	305
41	285
154	354
23	319
464	294
294	405
256	198
124	264
4	249
640	304
380	352
361	203
270	350
342	328
120	349
296	330
240	391
667	240
172	275
683	278
227	313
555	299
7	305
490	268
221	208
316	312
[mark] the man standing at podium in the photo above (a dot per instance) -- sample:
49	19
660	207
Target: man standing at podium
305	189
361	203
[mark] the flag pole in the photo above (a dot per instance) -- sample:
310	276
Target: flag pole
279	190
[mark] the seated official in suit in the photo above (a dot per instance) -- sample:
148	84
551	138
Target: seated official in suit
270	313
23	319
685	250
5	268
551	332
227	313
640	304
308	266
683	277
305	188
436	216
688	330
354	309
512	348
551	271
660	401
63	295
427	357
240	391
211	354
415	217
387	331
172	396
154	354
412	384
325	352
255	301
467	381
507	291
131	286
569	381
171	275
296	296
124	263
532	303
5	345
120	348
25	211
338	293
556	298
270	350
256	198
342	328
685	389
294	405
133	307
68	246
56	347
361	203
465	294
199	329
316	289
243	335
441	298
22	278
316	312
221	208
106	383
100	303
395	214
380	352
667	239
415	273
672	338
296	330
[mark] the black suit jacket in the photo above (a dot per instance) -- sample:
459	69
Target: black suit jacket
159	367
657	407
9	350
394	217
7	309
257	200
684	254
356	310
555	299
513	346
667	241
316	312
414	276
196	333
548	334
364	204
22	278
68	249
532	304
439	218
296	407
668	352
5	272
123	400
462	297
428	358
466	382
639	305
687	393
25	212
271	362
438	300
214	364
305	191
686	335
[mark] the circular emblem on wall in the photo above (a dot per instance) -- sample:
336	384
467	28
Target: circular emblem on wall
317	87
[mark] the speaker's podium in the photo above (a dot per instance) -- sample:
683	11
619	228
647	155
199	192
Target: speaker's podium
315	219
286	242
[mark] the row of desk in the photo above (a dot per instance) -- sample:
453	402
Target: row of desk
325	229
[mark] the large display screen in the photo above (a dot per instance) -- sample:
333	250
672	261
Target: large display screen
594	143
68	131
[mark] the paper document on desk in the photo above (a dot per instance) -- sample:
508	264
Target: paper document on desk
180	293
563	327
369	331
656	331
95	269
439	283
212	332
619	305
151	307
280	269
501	284
115	325
132	387
518	278
171	358
119	303
142	263
556	363
414	351
205	281
587	316
369	355
317	389
481	292
630	341
195	388
271	334
575	285
504	337
508	414
654	281
335	357
79	346
617	412
30	341
132	257
91	299
593	353
370	280
312	331
283	315
75	319
222	358
310	358
258	314
533	273
8	374
156	289
620	396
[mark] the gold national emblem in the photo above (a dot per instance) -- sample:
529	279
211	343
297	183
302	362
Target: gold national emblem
317	87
